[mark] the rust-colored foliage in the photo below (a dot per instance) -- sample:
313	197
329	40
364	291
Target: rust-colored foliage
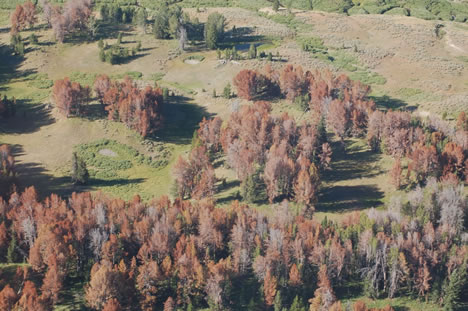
195	177
395	174
24	16
139	109
70	97
73	17
112	305
269	288
8	298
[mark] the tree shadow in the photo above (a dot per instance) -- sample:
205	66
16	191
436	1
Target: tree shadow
181	119
28	118
132	58
348	198
9	64
95	183
229	185
230	198
94	111
146	49
110	31
389	103
34	174
355	162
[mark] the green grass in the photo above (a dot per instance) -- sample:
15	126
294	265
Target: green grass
181	87
367	77
200	58
83	78
120	169
39	81
291	21
135	75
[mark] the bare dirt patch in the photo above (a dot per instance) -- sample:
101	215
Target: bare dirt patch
107	153
192	61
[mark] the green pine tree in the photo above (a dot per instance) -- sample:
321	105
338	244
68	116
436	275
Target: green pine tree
80	173
119	38
278	303
214	30
252	51
11	252
297	305
253	187
227	91
276	5
453	286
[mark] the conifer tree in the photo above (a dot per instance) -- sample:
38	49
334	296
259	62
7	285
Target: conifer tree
80	173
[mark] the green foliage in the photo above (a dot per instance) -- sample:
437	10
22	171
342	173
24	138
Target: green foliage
102	55
297	305
16	43
453	286
119	38
11	251
214	30
312	44
368	78
116	54
278	302
252	51
161	26
33	39
227	91
140	18
40	81
79	172
253	188
276	5
106	158
165	92
200	58
166	21
302	102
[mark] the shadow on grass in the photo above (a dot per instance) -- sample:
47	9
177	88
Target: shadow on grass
181	119
390	103
97	183
34	174
348	198
29	118
356	162
130	59
10	64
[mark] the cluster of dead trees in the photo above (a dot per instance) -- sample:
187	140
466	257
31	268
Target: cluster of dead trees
343	103
72	17
23	17
139	109
269	154
433	147
180	254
